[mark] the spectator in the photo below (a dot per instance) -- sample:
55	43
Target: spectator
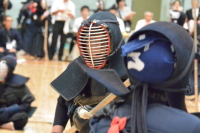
148	19
63	11
121	22
10	39
15	97
125	14
176	14
37	47
190	16
177	6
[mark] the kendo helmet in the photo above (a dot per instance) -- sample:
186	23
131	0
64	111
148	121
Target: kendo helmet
12	79
7	65
158	57
99	39
10	61
165	52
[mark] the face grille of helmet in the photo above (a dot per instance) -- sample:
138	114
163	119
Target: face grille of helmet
94	45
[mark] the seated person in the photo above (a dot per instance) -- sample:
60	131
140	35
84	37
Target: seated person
156	101
15	97
148	19
10	39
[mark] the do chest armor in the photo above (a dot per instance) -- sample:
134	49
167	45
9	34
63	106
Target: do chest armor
97	92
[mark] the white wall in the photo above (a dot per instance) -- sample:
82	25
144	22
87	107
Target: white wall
165	6
187	5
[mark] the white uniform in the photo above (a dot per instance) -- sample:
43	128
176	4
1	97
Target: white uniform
141	23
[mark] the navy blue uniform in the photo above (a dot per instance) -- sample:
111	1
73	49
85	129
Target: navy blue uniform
15	100
160	119
11	35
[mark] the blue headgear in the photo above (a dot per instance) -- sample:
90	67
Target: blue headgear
170	50
12	79
158	56
150	58
10	61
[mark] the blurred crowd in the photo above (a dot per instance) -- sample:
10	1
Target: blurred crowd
32	33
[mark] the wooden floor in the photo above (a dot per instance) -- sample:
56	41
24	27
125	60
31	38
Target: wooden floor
41	73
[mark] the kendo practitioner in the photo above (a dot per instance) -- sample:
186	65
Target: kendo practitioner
15	97
28	20
176	14
37	47
159	76
190	12
99	40
21	19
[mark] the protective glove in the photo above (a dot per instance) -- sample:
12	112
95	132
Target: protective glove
83	112
81	115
